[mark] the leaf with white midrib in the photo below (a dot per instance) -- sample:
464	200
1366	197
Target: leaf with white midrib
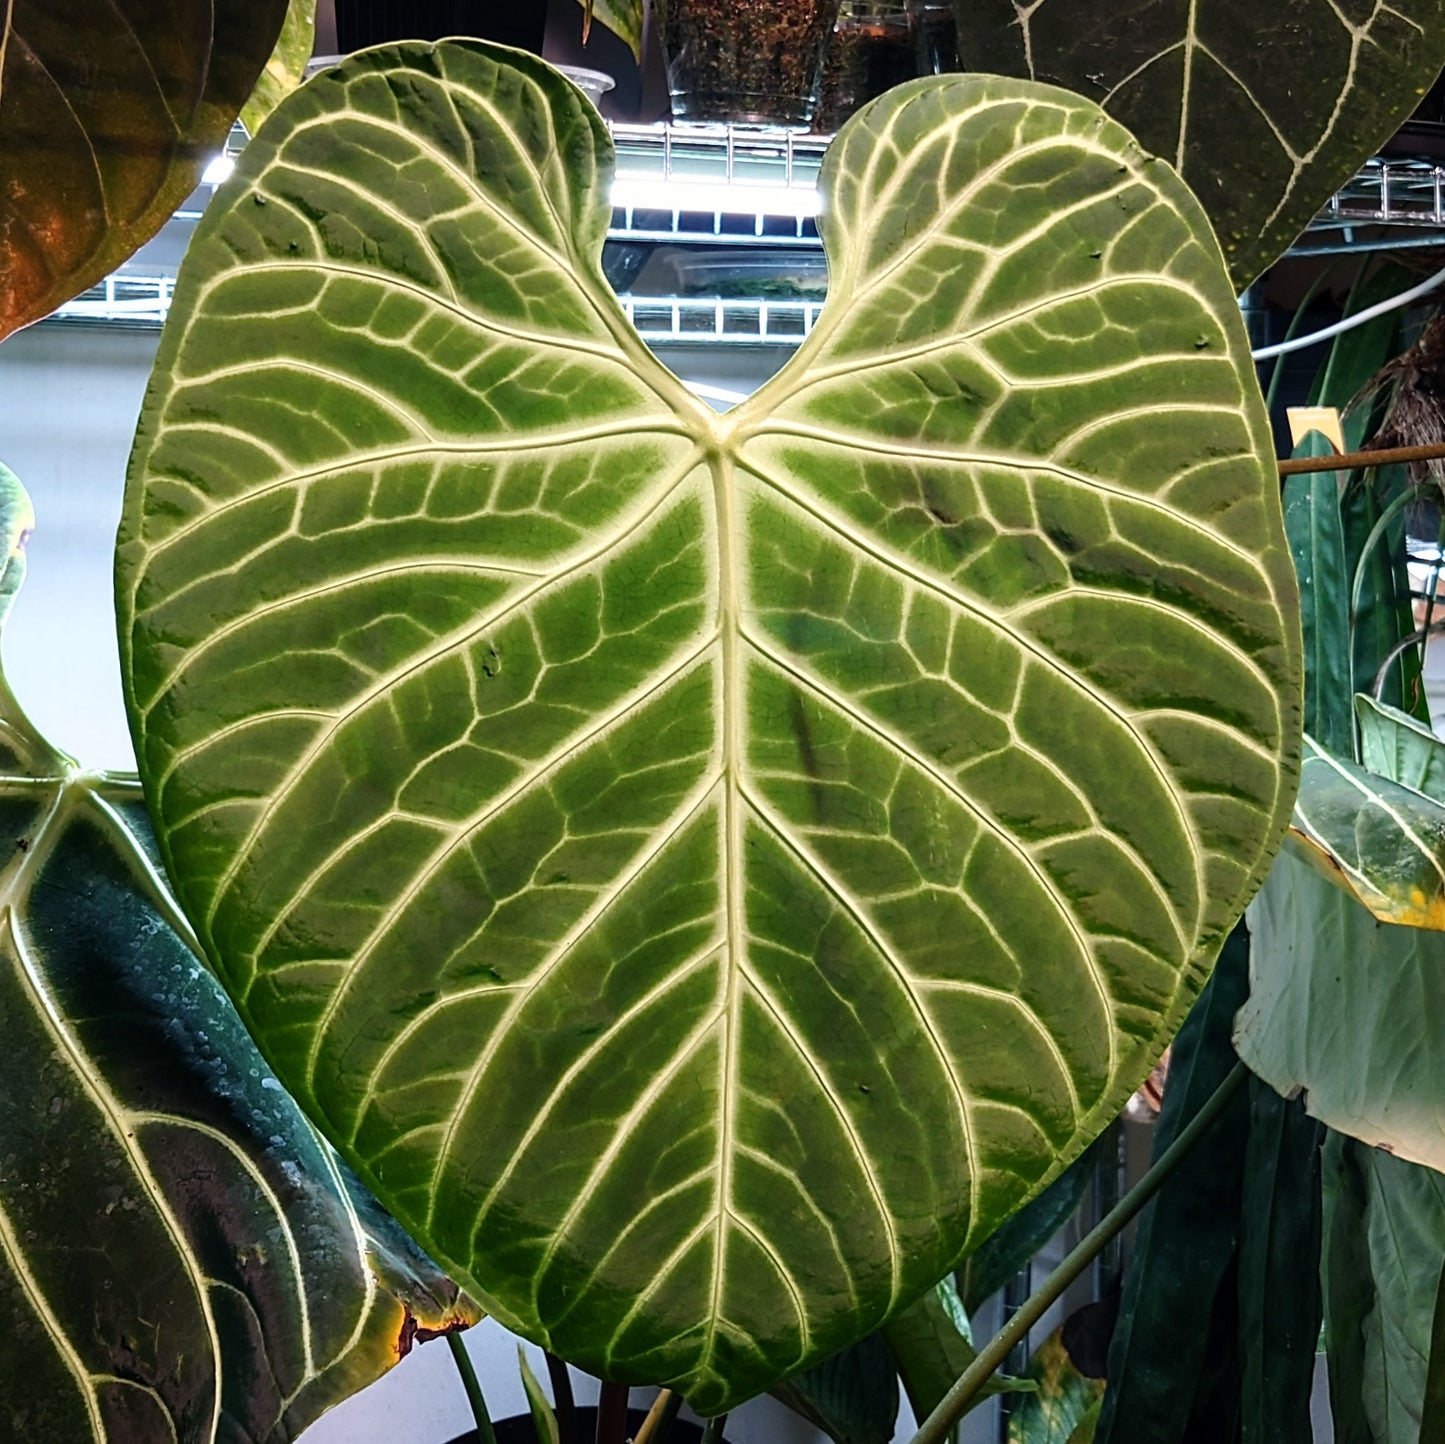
705	870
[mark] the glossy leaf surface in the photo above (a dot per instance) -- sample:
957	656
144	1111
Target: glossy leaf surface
181	1258
1346	1010
108	115
1266	110
705	871
1381	843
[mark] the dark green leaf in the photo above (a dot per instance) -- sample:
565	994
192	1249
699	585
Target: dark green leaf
706	870
1432	1408
1063	1401
1347	1009
1266	110
1165	1364
108	115
1010	1247
286	67
1355	356
1348	1284
1383	615
1405	1229
852	1397
1279	1270
181	1257
1317	544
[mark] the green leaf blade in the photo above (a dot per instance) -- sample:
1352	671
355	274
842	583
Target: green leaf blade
1266	113
110	114
509	716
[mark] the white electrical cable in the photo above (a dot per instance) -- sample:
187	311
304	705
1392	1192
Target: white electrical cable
1381	308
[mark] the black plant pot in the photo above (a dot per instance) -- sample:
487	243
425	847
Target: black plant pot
520	1430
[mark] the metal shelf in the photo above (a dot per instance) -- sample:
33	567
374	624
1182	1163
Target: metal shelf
744	186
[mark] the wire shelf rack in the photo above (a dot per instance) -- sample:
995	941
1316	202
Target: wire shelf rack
756	187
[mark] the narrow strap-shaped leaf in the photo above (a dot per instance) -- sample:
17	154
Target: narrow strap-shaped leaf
1348	1285
1380	842
1432	1408
544	1418
1266	110
1279	1272
705	871
1383	617
109	112
1396	745
1180	1275
1317	544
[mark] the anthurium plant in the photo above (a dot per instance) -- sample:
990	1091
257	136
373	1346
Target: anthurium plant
703	873
639	836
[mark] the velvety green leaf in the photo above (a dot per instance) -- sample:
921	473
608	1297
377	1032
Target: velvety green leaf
705	871
1380	843
1394	744
544	1420
108	115
1174	1353
181	1258
1266	110
1317	543
286	67
1279	1269
1347	1010
1348	1284
622	17
1061	1404
1088	1426
1014	1243
852	1397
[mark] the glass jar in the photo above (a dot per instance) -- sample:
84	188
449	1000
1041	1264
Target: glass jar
749	61
871	51
935	36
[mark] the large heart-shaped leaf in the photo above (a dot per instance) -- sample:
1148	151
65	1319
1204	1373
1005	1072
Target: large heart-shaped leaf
1265	109
704	871
181	1257
109	111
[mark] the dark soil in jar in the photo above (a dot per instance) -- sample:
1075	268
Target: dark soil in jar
867	55
745	60
522	1431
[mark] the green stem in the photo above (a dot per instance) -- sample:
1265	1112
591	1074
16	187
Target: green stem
463	1360
937	1427
712	1431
